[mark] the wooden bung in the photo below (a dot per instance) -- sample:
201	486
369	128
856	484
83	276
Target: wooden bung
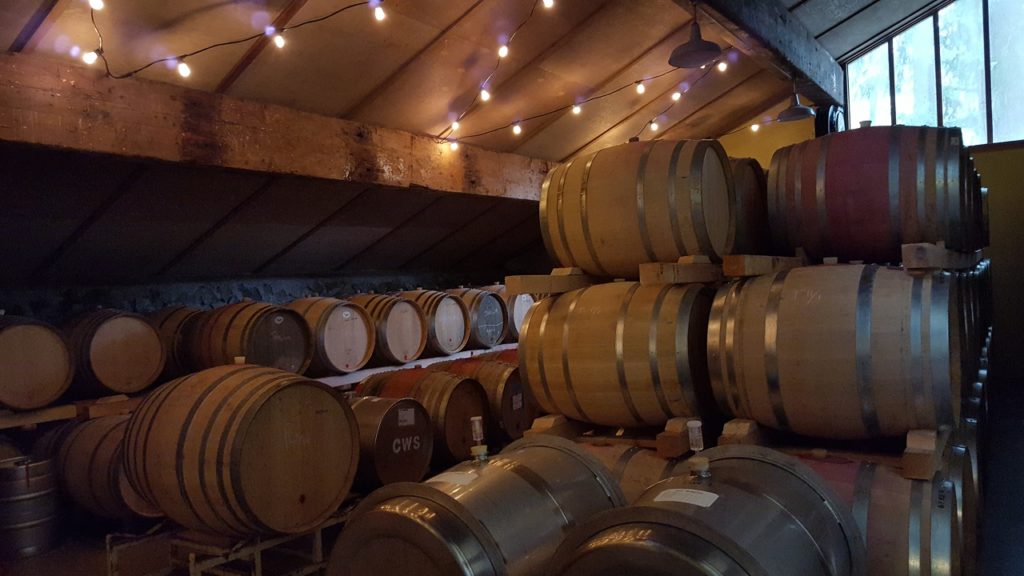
447	320
401	327
396	440
488	317
620	354
264	334
450	399
341	335
36	366
282	451
116	352
609	211
845	351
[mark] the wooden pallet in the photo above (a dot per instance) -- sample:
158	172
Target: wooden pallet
672	442
926	256
920	460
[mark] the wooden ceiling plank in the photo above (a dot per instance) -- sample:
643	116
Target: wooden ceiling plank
258	46
389	233
62	105
454	233
498	238
41	20
668	133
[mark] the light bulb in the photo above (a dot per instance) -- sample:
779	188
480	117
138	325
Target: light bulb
96	4
703	66
577	109
484	94
549	3
453	145
279	41
654	126
503	51
755	127
517	129
183	70
640	88
379	14
455	125
90	58
722	66
676	96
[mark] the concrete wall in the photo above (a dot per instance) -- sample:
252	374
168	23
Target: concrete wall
760	145
1002	172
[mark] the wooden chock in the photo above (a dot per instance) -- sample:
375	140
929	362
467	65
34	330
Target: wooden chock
926	256
741	431
687	270
555	425
741	265
922	457
560	280
674	441
239	360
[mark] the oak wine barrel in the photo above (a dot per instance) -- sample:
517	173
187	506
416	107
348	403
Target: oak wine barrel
401	327
342	335
488	317
620	354
91	467
750	511
447	320
512	411
752	232
508	355
843	351
517	306
28	507
115	352
263	334
635	469
909	526
503	516
396	440
175	325
861	194
612	210
450	399
281	449
957	468
47	445
36	366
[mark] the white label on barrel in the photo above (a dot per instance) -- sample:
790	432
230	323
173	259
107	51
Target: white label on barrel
517	401
457	478
406	417
687	496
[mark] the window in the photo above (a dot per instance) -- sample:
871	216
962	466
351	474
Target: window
963	66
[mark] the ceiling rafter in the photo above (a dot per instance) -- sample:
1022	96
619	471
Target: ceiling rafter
40	20
258	46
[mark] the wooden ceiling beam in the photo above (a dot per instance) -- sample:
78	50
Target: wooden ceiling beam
767	31
61	105
41	20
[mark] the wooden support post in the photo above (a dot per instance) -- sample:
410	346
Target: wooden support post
689	269
33	418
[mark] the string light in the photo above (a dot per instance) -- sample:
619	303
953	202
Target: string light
640	88
577	109
676	96
654	126
454	145
455	125
517	129
549	3
96	4
503	51
279	41
379	14
755	127
484	95
183	70
90	58
723	66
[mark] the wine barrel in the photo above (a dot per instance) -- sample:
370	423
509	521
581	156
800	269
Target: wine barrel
447	320
986	236
115	352
909	525
282	451
508	356
634	468
488	317
749	511
861	194
505	515
28	508
262	334
8	449
619	354
610	211
842	352
91	467
752	233
175	325
511	410
47	445
450	399
342	335
957	467
396	440
401	327
517	306
36	367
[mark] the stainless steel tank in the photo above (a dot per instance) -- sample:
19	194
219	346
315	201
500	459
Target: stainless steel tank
28	507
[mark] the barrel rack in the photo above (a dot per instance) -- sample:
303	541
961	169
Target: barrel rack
80	410
671	442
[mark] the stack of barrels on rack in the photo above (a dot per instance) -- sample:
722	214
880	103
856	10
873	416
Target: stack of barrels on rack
832	359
